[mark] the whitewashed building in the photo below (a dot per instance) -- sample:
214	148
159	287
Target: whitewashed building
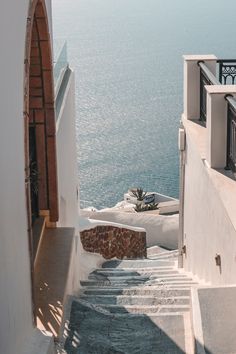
38	189
208	165
39	186
207	239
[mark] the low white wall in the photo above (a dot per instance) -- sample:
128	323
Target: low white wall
67	159
85	262
160	230
208	228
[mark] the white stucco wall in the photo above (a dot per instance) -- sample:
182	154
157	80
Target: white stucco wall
209	213
16	327
67	159
15	284
160	230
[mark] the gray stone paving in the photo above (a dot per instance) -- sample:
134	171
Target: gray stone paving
97	332
218	317
122	310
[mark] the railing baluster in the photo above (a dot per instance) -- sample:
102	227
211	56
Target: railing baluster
231	134
227	71
220	72
206	78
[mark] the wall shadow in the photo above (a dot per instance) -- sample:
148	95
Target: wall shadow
94	330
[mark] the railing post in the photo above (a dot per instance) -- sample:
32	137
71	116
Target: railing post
217	124
231	133
192	83
220	73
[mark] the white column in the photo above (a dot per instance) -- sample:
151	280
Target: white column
192	83
217	124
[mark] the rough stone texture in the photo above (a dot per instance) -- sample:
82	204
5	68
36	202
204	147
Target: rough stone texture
111	241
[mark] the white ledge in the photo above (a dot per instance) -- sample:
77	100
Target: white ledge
223	89
199	57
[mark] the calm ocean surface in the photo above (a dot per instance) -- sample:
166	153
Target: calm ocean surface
127	55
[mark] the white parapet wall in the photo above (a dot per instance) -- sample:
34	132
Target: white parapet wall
209	213
67	158
160	230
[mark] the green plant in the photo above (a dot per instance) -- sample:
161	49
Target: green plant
152	206
139	194
141	207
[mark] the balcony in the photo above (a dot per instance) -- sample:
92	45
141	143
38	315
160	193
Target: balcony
207	164
60	64
61	72
210	99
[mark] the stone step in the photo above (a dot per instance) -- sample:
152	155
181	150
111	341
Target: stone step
169	257
164	255
133	282
141	263
156	250
180	286
123	272
148	290
136	300
141	278
145	309
101	331
139	270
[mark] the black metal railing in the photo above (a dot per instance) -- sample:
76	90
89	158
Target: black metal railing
227	76
227	71
206	78
231	133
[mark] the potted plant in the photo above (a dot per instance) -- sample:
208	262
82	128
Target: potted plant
139	194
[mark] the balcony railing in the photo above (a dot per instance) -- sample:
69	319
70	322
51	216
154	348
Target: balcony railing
226	72
231	134
206	78
60	63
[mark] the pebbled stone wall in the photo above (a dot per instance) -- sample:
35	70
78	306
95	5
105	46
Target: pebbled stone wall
111	241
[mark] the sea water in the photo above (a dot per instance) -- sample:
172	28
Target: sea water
127	56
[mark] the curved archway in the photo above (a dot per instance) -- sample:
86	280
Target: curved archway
39	117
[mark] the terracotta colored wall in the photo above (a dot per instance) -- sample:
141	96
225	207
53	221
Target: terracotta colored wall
111	241
42	109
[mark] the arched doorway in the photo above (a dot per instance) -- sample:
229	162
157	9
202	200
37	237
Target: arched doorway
39	120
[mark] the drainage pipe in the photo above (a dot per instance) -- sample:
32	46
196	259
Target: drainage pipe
182	144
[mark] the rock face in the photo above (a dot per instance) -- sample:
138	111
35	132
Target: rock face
132	307
111	241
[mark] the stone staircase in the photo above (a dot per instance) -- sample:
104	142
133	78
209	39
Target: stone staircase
133	307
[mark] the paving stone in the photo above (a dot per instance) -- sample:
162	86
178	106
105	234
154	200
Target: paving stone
137	263
218	317
157	292
135	300
131	307
95	331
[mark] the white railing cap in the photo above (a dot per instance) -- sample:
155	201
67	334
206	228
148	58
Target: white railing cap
221	89
198	57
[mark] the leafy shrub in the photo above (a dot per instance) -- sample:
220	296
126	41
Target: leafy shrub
139	193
